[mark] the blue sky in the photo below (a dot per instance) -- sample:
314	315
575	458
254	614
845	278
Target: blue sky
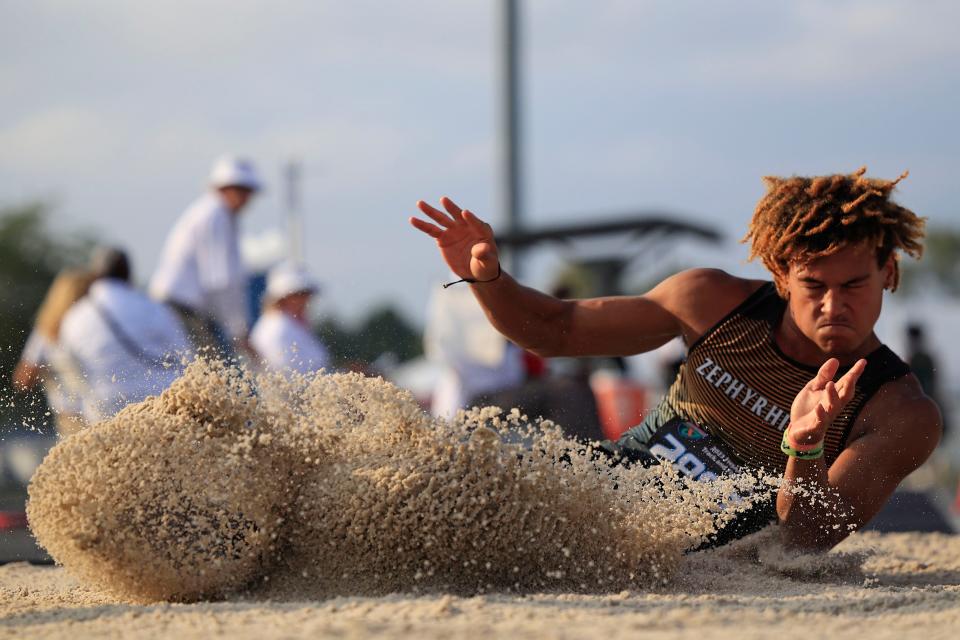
114	110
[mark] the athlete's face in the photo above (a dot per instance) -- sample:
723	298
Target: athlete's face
835	300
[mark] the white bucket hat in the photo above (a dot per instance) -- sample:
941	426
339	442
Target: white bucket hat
288	278
231	171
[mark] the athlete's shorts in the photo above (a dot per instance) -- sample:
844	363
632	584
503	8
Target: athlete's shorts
695	454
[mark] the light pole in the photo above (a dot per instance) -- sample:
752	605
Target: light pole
511	159
291	175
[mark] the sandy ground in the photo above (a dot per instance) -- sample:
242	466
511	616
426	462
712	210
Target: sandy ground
909	586
323	503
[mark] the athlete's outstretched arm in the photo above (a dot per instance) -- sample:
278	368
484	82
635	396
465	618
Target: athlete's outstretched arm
897	432
686	304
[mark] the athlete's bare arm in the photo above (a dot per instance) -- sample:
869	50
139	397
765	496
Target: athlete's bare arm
686	304
896	432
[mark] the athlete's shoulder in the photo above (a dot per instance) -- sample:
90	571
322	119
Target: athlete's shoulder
704	296
900	407
715	283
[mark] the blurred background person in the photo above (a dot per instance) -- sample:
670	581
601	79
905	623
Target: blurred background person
920	360
475	361
126	345
200	273
556	389
924	366
282	337
44	362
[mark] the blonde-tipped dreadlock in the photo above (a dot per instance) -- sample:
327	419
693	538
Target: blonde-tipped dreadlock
800	219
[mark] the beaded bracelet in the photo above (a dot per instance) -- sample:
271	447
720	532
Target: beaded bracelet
811	453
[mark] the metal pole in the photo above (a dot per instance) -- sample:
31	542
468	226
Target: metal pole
294	219
512	202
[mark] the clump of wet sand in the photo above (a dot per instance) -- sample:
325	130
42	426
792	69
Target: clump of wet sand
340	485
175	497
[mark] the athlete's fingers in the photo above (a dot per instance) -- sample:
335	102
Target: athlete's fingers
827	370
429	229
476	222
482	228
824	375
832	400
821	414
438	216
455	212
847	385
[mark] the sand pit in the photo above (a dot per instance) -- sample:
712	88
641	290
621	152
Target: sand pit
908	588
261	506
340	485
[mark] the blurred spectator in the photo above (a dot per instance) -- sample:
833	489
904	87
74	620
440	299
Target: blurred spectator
200	274
482	369
920	360
559	392
924	366
282	337
44	362
126	345
670	358
476	360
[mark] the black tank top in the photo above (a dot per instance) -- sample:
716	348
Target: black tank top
737	385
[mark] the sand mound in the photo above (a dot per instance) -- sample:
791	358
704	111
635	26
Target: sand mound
158	502
340	484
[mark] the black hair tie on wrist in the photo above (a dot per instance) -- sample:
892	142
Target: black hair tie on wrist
472	281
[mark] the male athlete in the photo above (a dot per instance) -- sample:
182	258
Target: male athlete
785	375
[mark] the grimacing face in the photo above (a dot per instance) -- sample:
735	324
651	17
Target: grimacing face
835	300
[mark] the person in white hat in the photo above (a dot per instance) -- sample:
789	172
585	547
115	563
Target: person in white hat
282	336
200	274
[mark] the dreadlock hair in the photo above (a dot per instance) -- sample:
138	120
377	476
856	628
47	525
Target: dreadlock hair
801	219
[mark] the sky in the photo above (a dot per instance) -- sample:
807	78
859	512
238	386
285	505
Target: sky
113	111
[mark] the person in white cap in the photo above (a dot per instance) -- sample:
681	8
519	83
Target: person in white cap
200	274
282	336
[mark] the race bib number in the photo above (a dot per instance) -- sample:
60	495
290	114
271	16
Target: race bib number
692	451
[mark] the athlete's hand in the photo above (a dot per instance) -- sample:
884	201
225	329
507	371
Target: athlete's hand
821	401
466	242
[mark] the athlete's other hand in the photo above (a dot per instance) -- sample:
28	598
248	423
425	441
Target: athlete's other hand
821	401
466	242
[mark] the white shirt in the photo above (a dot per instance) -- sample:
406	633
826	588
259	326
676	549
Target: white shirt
475	358
120	371
285	344
200	265
61	384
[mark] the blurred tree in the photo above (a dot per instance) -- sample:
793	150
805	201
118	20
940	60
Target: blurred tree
940	263
383	330
30	256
